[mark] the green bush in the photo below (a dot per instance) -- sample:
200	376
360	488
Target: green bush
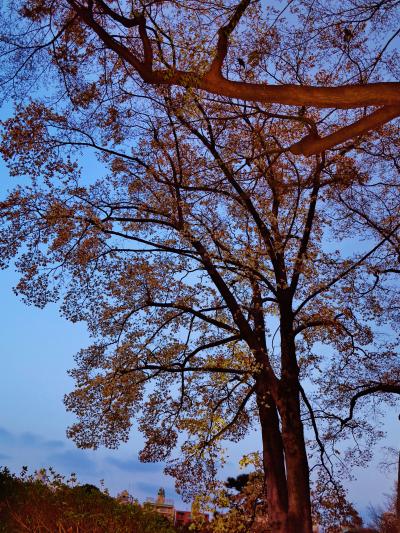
48	504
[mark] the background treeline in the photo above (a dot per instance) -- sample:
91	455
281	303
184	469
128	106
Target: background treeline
48	503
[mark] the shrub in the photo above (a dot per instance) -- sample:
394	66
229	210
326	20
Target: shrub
48	503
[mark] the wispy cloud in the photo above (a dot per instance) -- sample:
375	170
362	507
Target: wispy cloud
30	439
54	444
133	465
73	461
119	469
6	436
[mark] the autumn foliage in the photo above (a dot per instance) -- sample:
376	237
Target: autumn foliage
234	248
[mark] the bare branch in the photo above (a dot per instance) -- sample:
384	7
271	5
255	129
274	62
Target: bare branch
393	388
233	421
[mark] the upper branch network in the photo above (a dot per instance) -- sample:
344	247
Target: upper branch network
384	95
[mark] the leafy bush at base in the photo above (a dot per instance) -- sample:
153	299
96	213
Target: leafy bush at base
39	505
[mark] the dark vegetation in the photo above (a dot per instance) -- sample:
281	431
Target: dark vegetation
37	505
48	502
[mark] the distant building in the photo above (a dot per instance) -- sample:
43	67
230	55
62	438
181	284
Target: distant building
124	497
165	507
182	518
162	506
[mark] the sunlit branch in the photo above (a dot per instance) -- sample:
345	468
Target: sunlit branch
313	144
384	94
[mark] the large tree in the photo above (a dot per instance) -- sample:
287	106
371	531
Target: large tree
229	283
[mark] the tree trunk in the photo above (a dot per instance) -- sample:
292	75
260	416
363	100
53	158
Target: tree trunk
287	487
297	473
273	461
287	483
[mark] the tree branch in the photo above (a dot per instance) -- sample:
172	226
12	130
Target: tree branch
345	272
385	94
313	144
307	229
341	97
234	419
194	312
181	368
223	39
136	20
383	388
213	344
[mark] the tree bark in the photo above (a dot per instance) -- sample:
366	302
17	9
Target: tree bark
297	472
273	461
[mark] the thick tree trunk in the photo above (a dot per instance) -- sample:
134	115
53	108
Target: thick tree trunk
297	473
287	483
273	461
285	463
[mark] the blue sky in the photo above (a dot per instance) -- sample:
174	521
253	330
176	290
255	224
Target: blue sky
37	348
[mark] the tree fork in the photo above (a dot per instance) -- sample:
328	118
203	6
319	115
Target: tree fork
385	95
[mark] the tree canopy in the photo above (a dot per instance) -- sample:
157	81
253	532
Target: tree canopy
229	282
331	55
